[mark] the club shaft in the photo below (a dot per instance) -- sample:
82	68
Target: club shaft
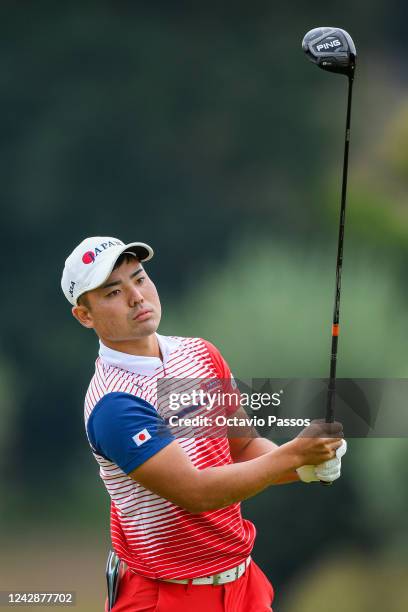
330	406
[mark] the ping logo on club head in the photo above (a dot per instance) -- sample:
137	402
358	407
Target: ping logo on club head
88	257
331	44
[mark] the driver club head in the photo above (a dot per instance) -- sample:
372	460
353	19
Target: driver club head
331	49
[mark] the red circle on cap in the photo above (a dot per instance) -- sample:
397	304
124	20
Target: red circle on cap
142	436
88	257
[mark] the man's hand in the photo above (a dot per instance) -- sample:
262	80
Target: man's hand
327	471
317	443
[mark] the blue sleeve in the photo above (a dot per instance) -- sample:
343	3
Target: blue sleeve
126	430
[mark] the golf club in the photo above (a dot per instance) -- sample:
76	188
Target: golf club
333	49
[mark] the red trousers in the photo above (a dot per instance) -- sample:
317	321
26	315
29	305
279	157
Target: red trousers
251	593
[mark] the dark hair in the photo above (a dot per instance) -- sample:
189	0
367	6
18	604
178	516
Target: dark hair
83	300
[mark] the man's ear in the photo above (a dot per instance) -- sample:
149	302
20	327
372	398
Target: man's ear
83	315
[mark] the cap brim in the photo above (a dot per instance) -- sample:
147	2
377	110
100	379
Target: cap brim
143	251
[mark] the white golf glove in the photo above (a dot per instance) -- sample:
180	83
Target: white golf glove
327	471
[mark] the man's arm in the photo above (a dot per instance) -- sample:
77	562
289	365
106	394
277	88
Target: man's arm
250	445
170	473
245	449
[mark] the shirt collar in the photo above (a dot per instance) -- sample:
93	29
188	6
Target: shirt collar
139	364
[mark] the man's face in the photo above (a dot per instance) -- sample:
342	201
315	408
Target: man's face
125	308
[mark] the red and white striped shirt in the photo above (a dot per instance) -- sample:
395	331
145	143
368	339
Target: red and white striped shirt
152	535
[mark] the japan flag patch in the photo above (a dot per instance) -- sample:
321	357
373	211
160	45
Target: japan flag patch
141	437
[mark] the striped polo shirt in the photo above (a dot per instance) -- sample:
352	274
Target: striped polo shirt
126	425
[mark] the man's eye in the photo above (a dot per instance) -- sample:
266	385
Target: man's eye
113	293
140	280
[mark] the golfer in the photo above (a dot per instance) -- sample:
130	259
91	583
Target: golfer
175	501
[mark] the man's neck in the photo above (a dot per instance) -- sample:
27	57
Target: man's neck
145	347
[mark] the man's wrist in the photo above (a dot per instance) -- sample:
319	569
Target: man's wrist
291	450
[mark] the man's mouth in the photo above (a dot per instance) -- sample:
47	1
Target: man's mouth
142	315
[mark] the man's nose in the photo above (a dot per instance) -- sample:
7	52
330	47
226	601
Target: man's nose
135	296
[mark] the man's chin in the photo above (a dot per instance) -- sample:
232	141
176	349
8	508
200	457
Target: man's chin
145	328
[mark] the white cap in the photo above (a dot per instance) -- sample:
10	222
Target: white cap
92	261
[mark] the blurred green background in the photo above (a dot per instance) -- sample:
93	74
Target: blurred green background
200	128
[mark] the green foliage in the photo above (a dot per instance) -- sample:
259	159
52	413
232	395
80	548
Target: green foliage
269	309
